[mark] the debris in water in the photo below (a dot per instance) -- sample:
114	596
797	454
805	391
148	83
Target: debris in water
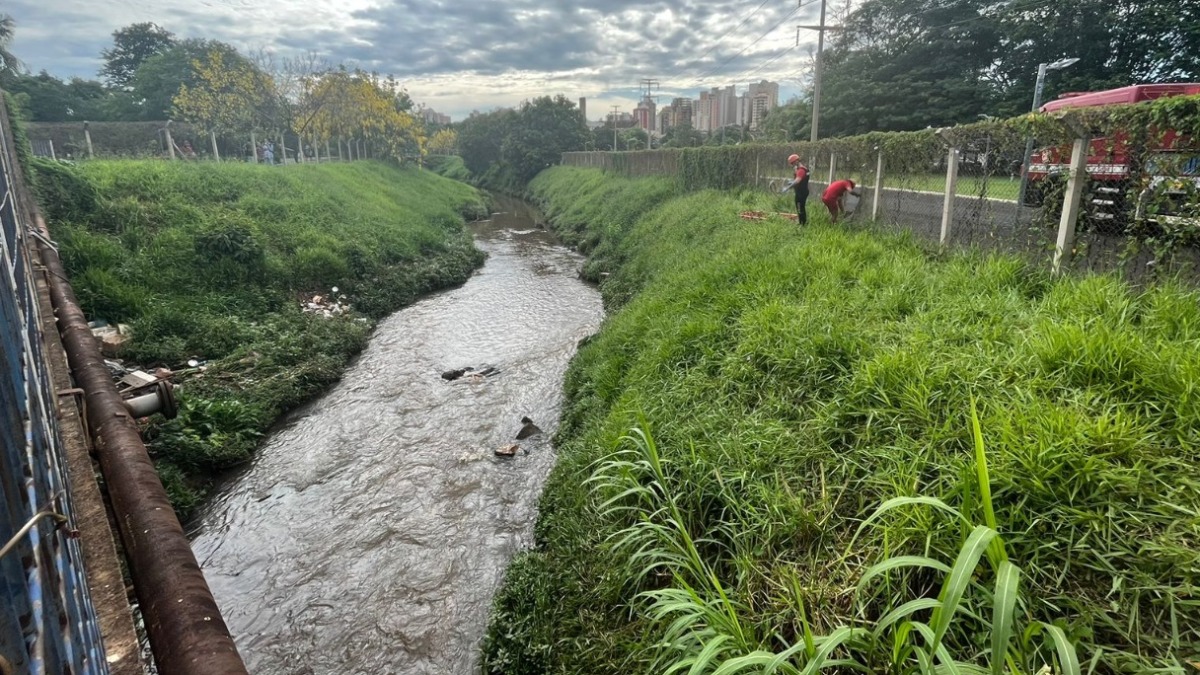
528	428
508	450
472	373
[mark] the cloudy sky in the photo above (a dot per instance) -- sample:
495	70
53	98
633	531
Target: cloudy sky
460	56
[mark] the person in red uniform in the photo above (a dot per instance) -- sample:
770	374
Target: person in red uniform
834	196
800	185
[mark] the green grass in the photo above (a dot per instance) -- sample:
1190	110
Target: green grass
212	260
790	382
994	187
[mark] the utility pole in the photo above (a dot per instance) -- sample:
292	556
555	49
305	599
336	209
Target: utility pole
648	88
816	102
612	118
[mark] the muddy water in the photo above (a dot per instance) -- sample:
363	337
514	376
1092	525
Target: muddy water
373	528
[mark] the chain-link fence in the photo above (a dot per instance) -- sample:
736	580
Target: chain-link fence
1135	206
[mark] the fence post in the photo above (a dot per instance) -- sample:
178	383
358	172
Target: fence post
212	135
1071	202
299	149
282	150
52	155
254	147
87	137
878	186
832	166
328	154
951	192
170	141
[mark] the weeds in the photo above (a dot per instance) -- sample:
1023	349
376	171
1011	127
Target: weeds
211	261
796	380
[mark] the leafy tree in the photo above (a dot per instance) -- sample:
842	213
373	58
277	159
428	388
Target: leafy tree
158	80
132	45
544	128
909	64
481	136
1117	42
788	122
360	105
229	95
683	136
45	98
9	64
444	142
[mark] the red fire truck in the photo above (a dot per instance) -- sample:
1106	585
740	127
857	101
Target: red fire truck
1112	184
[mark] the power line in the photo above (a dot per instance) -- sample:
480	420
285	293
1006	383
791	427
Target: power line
757	40
773	59
717	42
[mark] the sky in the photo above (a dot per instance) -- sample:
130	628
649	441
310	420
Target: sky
456	57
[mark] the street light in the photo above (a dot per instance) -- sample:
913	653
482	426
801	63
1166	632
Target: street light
1037	103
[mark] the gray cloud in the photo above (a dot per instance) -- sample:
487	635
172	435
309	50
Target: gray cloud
457	56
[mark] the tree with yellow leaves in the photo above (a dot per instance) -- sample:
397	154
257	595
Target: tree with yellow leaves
230	95
444	142
356	105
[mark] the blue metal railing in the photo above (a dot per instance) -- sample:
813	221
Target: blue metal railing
47	623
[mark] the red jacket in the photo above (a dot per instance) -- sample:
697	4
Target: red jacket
836	190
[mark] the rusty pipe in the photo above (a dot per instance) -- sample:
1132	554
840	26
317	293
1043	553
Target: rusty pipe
187	634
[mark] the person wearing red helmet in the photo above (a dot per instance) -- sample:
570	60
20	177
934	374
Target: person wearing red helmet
835	196
800	185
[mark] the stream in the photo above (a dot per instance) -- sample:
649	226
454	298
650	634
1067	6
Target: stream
375	524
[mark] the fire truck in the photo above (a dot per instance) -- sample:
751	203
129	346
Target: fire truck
1121	177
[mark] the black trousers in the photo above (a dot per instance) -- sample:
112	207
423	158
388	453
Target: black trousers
801	206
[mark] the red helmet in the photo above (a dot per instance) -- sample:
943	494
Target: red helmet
793	159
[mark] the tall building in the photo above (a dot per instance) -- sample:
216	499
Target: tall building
760	104
681	112
770	89
704	112
664	120
645	114
431	116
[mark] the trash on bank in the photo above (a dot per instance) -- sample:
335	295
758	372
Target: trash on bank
330	305
112	338
507	450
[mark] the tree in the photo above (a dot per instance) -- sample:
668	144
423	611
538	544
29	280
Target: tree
345	104
158	80
683	136
908	64
444	142
132	46
9	64
228	95
1117	42
544	128
48	99
481	136
788	122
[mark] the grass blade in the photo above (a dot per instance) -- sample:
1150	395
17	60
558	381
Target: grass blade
1004	602
1068	660
958	580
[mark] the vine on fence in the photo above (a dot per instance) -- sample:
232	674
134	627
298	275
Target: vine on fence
1141	199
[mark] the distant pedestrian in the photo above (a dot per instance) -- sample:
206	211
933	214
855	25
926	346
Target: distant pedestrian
835	197
800	186
269	152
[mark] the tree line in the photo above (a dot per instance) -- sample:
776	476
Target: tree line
149	74
901	65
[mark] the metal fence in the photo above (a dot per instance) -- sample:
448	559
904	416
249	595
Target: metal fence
176	140
962	187
47	622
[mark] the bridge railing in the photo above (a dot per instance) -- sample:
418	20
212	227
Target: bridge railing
47	622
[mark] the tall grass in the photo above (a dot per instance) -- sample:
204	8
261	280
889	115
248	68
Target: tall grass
212	260
797	379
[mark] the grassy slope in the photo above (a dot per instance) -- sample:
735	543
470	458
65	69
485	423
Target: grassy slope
796	380
210	260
